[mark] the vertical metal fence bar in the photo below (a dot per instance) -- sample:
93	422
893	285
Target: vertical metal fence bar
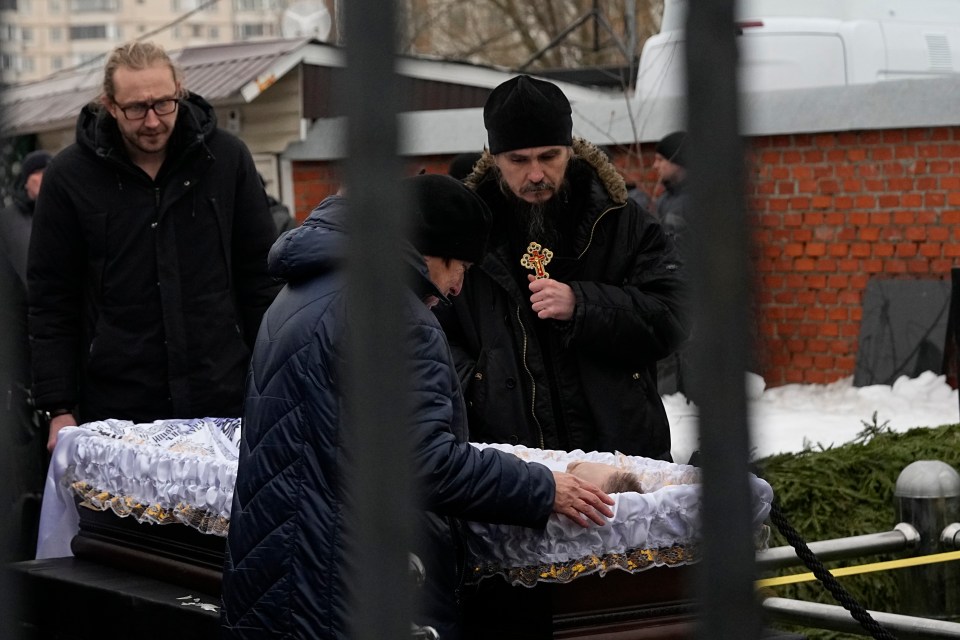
380	593
728	610
11	604
951	350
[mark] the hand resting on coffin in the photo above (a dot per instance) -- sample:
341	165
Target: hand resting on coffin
576	498
57	423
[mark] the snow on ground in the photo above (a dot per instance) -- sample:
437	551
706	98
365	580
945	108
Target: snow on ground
784	418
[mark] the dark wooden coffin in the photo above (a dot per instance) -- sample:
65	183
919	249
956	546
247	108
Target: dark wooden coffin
654	603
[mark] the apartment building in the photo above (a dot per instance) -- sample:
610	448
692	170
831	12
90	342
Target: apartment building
42	37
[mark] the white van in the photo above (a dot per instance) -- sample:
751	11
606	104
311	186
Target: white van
793	44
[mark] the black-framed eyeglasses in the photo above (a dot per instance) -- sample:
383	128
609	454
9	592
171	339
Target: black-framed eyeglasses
138	110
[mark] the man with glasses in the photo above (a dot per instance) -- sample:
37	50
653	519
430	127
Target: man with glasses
147	267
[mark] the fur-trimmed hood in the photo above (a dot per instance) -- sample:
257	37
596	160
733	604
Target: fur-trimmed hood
611	179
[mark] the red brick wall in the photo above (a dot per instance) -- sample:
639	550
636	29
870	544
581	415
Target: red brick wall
314	181
829	211
832	211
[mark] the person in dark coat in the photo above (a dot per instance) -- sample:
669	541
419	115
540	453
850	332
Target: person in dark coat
286	573
672	207
13	362
278	211
27	437
16	220
23	438
147	267
280	214
559	329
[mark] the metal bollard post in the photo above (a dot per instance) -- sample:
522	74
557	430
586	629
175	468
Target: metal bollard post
927	496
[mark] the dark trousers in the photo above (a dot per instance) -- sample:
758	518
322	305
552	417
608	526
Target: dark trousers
25	444
494	609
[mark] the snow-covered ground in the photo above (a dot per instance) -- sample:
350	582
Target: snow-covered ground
783	418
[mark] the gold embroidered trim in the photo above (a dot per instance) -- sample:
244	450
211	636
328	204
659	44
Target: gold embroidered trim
200	519
632	561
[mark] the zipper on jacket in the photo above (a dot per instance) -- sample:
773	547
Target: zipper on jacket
593	227
459	550
533	382
156	196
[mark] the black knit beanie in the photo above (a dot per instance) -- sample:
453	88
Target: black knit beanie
450	220
524	112
34	161
672	148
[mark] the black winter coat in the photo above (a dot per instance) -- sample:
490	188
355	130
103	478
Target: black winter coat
23	437
16	221
588	383
22	440
17	409
673	209
146	295
285	573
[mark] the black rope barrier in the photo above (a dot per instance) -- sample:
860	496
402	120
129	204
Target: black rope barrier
859	613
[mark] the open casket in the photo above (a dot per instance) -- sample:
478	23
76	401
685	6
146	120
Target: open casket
109	481
157	496
630	576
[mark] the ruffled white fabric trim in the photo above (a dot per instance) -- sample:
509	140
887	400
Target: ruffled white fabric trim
169	466
666	515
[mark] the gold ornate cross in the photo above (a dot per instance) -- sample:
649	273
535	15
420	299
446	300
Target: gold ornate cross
536	258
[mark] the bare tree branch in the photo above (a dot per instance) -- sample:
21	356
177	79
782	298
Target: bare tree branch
509	32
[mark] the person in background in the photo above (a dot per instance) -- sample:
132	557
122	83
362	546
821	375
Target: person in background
278	211
147	266
16	220
13	361
287	571
280	214
672	207
25	436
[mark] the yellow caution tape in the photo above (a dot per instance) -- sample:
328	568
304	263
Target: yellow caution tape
863	568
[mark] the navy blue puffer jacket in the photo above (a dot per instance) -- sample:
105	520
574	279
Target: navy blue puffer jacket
285	571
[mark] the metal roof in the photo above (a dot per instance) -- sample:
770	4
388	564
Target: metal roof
240	71
44	105
220	73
